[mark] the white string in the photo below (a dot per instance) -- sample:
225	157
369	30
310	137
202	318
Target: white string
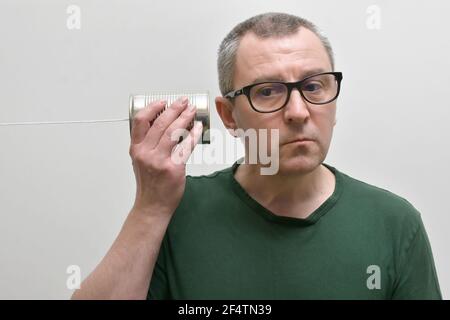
60	122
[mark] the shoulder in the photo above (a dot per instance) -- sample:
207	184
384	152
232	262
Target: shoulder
202	183
389	207
204	195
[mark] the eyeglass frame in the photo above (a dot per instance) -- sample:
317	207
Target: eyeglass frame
290	85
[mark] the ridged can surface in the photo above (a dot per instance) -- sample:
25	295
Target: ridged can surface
199	99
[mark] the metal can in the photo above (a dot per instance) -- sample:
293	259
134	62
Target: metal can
199	99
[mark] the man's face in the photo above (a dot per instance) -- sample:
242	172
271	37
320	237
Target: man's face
287	59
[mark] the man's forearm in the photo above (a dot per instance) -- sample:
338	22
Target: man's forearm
125	271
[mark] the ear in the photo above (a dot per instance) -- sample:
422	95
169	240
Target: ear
225	108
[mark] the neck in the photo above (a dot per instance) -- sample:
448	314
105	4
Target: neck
290	195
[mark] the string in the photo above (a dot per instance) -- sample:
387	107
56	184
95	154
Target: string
60	122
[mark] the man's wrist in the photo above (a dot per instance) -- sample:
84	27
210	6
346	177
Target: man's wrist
151	214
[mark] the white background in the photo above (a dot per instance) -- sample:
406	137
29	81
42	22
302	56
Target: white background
65	190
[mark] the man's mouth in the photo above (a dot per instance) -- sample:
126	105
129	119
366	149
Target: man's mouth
299	141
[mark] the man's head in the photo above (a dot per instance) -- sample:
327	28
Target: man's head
277	46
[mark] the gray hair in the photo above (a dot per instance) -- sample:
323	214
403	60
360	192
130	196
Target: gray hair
266	25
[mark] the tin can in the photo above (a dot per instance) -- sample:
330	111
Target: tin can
199	99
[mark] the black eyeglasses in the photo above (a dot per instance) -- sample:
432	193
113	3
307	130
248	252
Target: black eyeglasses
321	88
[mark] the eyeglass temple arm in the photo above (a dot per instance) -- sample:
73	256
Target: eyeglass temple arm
234	94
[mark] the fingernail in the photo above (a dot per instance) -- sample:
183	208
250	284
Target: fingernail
184	100
191	107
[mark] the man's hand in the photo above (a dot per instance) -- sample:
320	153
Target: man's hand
160	175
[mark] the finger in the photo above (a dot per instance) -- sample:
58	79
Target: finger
178	128
142	120
163	121
183	150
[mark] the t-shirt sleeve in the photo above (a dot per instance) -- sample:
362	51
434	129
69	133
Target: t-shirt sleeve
416	277
159	287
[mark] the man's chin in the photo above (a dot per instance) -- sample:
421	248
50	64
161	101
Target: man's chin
297	165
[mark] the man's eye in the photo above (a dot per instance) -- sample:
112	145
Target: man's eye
312	87
269	91
265	92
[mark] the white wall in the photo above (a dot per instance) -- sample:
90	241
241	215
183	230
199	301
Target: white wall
66	189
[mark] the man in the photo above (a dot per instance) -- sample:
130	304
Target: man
307	232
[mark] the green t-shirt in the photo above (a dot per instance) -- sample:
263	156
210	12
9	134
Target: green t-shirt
363	242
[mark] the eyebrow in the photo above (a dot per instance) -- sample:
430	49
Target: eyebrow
279	78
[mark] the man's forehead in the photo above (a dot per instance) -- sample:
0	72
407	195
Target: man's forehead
276	76
256	57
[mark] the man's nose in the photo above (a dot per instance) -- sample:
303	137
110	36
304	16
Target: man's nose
296	109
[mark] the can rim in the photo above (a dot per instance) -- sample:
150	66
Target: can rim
130	110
